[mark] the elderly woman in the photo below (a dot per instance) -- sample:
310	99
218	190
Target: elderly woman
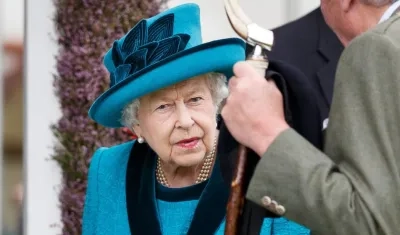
166	85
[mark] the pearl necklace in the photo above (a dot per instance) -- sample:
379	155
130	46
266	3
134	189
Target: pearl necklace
204	172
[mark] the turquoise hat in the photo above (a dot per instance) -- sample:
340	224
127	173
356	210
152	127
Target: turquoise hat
158	52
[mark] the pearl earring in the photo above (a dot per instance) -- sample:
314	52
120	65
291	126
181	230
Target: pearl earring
140	140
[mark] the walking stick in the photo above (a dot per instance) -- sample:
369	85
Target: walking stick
262	40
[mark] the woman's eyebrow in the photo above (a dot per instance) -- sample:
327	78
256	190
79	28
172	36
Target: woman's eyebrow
194	89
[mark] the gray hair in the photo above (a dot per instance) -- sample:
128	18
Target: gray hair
217	83
378	3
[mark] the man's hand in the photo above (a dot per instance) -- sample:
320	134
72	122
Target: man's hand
253	112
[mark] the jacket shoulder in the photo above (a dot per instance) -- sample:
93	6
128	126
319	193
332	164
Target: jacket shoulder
385	37
105	191
386	32
389	28
370	61
109	158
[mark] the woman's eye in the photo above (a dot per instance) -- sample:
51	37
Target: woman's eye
162	107
195	99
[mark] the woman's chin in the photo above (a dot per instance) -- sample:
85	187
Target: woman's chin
189	160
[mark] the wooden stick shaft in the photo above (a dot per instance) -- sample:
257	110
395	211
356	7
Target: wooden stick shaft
237	194
236	197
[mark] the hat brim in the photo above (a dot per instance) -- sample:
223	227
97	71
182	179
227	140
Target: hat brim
216	56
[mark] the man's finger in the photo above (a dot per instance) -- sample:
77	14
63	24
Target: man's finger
232	82
244	69
272	83
224	110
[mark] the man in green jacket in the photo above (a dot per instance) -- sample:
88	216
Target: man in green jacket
353	187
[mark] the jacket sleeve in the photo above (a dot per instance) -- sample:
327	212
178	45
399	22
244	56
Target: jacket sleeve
352	188
90	210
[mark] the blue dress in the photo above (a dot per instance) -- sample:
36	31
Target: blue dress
123	197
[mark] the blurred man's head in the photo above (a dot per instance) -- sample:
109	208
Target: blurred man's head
18	194
350	18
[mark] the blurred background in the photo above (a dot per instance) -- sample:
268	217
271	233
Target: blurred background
12	26
42	111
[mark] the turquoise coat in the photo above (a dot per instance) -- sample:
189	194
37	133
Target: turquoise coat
116	174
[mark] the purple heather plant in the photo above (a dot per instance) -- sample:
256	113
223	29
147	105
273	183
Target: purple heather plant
85	31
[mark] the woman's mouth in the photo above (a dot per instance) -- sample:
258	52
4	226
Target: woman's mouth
188	143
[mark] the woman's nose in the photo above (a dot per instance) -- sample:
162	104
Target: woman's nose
184	117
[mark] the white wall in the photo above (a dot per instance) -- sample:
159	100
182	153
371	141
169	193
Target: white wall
12	17
266	13
43	175
297	8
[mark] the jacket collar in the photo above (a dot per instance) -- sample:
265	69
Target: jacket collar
330	48
395	7
141	198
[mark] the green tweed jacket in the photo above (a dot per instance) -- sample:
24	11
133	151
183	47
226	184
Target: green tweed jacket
354	186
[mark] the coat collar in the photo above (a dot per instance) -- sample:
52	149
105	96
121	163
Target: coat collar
330	48
141	197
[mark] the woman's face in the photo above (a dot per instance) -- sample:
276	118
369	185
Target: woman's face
179	122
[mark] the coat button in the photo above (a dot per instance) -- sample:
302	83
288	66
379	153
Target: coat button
266	200
274	203
280	209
